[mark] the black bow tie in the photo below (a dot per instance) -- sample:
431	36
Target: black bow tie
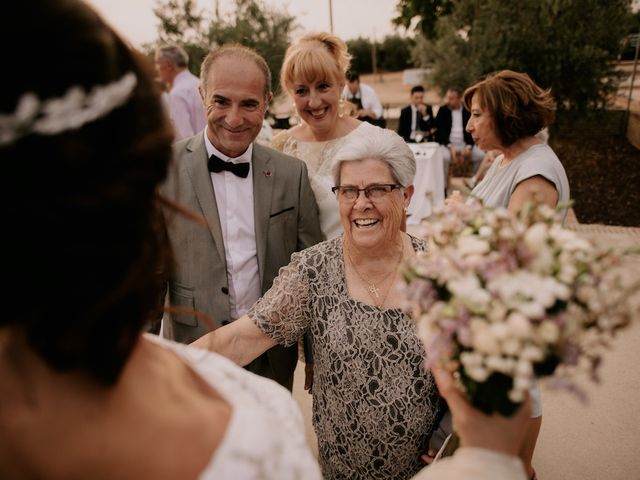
217	165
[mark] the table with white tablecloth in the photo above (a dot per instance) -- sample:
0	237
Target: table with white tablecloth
428	182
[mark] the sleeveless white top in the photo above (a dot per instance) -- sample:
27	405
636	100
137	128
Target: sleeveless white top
496	187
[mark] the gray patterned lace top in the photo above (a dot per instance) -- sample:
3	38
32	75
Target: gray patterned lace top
374	406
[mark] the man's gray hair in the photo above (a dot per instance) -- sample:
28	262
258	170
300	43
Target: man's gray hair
237	51
175	54
378	144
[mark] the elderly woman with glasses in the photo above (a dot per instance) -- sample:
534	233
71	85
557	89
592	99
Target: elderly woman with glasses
374	406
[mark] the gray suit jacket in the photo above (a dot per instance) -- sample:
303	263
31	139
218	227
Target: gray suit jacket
286	221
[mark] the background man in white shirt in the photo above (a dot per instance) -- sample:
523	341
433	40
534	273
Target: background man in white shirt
258	206
368	107
185	105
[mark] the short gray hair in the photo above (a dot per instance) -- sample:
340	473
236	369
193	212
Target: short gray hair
235	50
378	144
175	54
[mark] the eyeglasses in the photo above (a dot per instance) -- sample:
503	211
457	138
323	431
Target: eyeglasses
372	192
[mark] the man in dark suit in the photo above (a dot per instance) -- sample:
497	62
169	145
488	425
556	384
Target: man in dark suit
257	204
457	145
416	120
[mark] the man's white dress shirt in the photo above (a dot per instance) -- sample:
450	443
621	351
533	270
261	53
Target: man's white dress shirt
234	198
367	96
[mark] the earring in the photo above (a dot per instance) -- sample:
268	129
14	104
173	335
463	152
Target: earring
341	106
296	118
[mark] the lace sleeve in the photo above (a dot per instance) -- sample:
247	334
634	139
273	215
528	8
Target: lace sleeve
282	312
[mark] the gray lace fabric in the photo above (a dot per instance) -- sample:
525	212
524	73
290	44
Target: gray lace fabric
374	406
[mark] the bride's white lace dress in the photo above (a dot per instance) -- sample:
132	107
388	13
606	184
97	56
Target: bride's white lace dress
265	437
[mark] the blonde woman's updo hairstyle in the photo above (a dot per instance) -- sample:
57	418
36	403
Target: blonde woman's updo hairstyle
519	107
316	56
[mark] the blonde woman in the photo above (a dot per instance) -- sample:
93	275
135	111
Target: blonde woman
313	73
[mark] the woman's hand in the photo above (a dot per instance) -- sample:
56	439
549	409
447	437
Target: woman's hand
477	429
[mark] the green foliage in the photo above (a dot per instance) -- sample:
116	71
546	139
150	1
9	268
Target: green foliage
360	50
424	13
566	45
393	54
267	30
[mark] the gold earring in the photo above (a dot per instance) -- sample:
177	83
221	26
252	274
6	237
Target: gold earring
296	117
341	106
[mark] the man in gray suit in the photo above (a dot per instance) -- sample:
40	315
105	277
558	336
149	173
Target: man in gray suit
257	205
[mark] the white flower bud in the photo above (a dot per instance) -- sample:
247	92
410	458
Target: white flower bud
472	245
536	237
511	346
479	374
522	382
549	331
499	330
471	359
516	396
519	325
532	353
485	342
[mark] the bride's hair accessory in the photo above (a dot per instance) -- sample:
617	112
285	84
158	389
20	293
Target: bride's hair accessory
69	112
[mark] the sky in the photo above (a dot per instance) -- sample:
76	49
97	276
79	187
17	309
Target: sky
134	19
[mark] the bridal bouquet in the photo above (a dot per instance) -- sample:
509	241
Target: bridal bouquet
503	299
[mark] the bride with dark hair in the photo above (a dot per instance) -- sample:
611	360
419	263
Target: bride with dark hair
84	144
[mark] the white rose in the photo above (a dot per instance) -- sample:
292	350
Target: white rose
519	325
543	260
536	237
511	346
532	353
472	245
531	309
524	368
516	396
497	364
549	331
477	324
471	359
568	272
479	374
497	312
522	382
485	231
499	330
485	342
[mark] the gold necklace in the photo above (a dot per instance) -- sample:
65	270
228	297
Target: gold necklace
372	288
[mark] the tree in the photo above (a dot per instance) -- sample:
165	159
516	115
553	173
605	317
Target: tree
267	30
395	53
181	24
360	50
423	13
566	45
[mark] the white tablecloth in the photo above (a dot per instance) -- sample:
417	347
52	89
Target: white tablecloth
428	182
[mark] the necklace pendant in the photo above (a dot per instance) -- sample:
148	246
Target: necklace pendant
373	290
